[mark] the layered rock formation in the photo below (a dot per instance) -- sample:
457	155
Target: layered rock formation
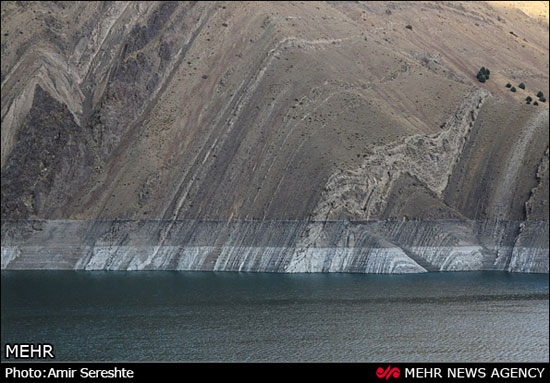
276	246
289	137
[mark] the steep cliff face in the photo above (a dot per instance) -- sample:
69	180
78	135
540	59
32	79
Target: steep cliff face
266	113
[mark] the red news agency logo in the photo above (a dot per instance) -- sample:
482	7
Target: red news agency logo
389	372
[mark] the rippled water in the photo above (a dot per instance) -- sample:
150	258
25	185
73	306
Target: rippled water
475	316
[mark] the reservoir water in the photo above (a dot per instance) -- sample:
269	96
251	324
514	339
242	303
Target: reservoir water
196	316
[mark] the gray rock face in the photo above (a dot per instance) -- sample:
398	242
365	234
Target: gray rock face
276	246
272	137
51	153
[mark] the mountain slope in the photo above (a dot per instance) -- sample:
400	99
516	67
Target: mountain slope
276	111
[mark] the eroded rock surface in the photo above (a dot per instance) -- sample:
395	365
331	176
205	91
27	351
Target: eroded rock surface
273	119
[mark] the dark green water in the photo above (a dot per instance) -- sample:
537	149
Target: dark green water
162	316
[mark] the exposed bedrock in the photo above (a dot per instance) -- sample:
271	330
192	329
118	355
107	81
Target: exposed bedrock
276	246
273	136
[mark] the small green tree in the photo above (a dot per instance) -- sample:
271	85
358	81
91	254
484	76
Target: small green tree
540	94
483	74
535	103
508	85
513	89
542	99
521	85
528	99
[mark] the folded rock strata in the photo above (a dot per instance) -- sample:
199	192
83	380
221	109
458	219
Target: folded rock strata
272	136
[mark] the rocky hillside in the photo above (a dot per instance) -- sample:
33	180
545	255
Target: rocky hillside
303	111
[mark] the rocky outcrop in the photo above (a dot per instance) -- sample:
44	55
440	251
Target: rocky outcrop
362	193
51	153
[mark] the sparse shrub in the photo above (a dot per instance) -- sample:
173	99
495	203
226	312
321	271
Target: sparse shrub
483	74
508	85
521	85
409	27
528	99
513	89
540	94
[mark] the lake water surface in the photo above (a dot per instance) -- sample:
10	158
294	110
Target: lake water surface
194	316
